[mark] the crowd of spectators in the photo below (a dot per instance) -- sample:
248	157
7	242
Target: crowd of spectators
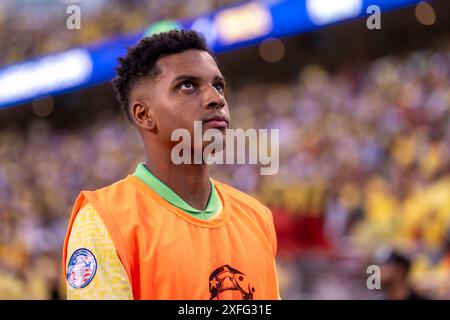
25	25
364	164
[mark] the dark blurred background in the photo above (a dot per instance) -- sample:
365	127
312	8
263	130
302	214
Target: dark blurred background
364	145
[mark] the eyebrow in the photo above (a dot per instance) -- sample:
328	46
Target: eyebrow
195	78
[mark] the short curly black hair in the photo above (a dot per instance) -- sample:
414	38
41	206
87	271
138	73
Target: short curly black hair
140	60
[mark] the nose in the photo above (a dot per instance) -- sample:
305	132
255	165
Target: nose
213	99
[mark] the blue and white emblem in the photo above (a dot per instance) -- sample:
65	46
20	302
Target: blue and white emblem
81	268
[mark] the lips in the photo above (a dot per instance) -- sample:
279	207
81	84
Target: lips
216	121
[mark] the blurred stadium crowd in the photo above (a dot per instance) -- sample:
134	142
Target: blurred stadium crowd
25	25
364	164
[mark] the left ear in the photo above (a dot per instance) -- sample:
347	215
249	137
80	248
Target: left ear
142	114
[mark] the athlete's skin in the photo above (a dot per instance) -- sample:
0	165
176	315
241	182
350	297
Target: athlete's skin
188	87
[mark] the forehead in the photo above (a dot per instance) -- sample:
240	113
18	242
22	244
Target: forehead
190	62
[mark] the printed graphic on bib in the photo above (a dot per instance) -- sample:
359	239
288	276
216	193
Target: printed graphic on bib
228	283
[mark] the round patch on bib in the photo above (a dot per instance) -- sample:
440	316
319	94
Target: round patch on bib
81	268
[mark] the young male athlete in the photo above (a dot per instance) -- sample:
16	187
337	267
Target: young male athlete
169	231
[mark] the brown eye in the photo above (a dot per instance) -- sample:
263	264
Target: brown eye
220	87
186	85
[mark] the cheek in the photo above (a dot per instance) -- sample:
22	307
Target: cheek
182	109
169	113
226	109
386	273
173	117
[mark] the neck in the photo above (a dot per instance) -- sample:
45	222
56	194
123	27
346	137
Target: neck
190	182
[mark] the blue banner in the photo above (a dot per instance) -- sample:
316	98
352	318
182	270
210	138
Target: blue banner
225	29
